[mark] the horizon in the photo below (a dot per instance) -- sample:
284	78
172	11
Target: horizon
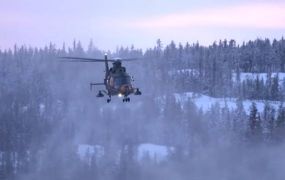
85	46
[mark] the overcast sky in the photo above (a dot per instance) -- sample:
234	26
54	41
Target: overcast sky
112	23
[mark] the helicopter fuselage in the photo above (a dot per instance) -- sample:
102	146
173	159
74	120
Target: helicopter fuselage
119	83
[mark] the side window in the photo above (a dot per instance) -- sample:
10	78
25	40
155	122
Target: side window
117	82
111	81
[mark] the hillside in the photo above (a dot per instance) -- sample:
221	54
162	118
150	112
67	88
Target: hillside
215	109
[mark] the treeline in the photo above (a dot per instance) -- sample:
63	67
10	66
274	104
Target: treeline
46	105
216	70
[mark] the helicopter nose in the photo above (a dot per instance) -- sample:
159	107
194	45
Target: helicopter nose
125	89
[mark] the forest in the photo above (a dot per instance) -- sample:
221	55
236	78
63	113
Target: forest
47	110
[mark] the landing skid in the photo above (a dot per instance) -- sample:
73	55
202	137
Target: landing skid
101	94
138	92
126	99
109	99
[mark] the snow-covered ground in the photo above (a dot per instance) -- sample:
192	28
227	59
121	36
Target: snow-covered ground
243	75
154	152
205	102
86	151
183	71
251	76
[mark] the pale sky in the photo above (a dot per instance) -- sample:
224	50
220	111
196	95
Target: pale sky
112	23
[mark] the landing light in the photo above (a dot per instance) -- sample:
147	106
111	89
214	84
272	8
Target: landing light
120	95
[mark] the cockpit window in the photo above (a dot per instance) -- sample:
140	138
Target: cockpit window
121	80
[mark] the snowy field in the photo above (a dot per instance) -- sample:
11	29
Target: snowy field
183	71
243	75
86	151
253	76
205	102
157	153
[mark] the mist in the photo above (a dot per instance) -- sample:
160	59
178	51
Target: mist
52	126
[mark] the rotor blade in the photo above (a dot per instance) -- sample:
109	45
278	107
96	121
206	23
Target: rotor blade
78	60
129	59
81	59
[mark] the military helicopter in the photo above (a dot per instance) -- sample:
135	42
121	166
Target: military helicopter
117	81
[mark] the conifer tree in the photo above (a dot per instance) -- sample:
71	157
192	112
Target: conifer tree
254	124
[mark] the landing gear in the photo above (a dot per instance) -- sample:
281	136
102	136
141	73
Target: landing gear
127	99
109	99
138	92
100	94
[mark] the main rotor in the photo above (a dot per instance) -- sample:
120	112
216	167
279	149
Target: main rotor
84	59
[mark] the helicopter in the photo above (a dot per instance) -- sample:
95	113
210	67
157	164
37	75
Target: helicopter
117	81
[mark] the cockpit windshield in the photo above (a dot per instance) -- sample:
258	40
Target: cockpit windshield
121	80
